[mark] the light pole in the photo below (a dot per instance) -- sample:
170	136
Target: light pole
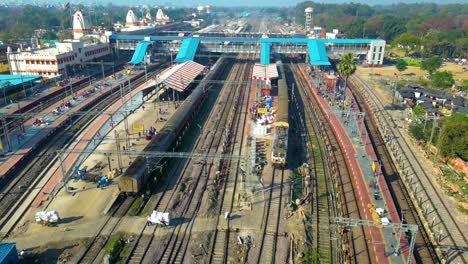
5	86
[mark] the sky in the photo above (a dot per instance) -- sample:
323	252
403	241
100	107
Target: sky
231	2
268	2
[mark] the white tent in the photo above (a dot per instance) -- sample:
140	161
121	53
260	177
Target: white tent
380	211
50	217
159	218
385	221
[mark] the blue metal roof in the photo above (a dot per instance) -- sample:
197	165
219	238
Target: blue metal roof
297	39
283	40
317	52
17	79
265	53
187	49
140	51
6	251
348	41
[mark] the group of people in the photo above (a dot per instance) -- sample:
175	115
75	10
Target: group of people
40	122
62	107
149	133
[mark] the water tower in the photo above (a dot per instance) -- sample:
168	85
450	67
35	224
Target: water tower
308	18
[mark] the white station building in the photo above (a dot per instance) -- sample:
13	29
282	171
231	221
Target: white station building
52	62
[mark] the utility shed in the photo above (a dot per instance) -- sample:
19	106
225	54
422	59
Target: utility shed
8	254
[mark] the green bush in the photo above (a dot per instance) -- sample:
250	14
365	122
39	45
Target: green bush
412	62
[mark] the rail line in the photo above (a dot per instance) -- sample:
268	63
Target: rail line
419	185
229	170
94	251
168	193
323	210
424	252
220	242
184	208
39	105
348	206
13	196
271	217
226	147
214	144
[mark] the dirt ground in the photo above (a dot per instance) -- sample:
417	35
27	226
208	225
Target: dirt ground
413	73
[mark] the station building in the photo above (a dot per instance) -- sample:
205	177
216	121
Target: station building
59	60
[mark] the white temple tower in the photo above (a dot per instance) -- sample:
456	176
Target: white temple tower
79	26
131	19
308	18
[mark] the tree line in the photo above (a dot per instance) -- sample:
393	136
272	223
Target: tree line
19	22
428	29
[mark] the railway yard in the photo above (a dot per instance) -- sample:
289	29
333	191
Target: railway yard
230	163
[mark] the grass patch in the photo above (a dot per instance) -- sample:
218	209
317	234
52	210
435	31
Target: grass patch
148	206
462	209
312	256
123	253
458	179
296	180
412	62
135	206
113	248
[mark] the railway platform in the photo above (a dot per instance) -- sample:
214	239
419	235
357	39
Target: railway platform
23	141
101	133
87	203
357	148
45	91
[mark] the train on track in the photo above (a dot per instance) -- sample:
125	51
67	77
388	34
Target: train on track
167	139
280	137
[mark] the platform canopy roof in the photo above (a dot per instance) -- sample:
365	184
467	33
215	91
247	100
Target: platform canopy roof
264	72
13	80
179	76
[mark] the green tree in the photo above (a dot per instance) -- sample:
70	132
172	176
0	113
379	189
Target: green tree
401	65
453	139
431	65
418	110
416	130
346	66
442	79
64	35
409	42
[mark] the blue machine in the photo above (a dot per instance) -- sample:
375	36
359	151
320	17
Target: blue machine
8	253
268	102
103	182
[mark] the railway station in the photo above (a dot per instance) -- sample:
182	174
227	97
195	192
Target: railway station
241	145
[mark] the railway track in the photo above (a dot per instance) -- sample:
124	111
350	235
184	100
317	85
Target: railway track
177	254
40	105
16	192
220	140
445	232
424	252
271	217
93	250
221	238
323	209
194	174
355	241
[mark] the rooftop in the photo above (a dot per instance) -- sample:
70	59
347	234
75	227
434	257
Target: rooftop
5	249
17	79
